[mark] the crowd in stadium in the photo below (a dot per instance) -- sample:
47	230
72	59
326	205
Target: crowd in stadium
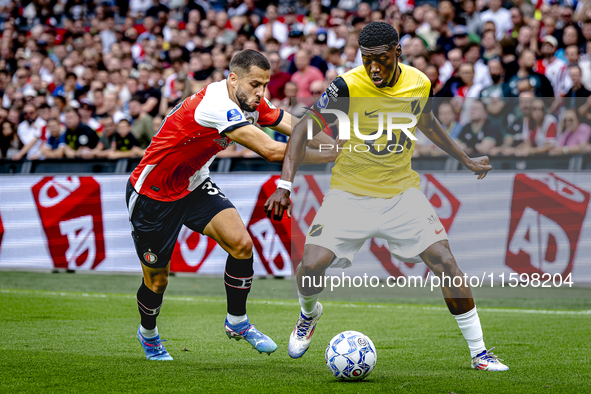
90	79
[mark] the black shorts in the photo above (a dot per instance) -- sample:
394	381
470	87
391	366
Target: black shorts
155	225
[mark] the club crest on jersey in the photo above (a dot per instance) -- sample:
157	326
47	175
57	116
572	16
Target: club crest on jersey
234	115
150	257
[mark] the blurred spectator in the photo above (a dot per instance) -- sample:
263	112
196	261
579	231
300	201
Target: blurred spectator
553	68
454	83
447	117
466	93
306	73
149	95
272	27
108	131
481	73
141	123
54	146
29	132
575	135
278	77
538	82
10	144
500	16
81	140
85	112
539	131
575	97
472	17
123	143
479	136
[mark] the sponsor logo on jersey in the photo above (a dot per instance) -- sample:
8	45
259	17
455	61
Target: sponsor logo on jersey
234	115
323	101
316	230
270	105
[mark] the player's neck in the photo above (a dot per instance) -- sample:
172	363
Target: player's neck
396	76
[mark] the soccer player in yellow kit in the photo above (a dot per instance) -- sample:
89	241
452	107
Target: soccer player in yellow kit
375	192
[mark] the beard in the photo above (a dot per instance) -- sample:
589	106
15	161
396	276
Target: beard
243	101
495	78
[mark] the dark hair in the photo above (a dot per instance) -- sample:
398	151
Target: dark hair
243	61
469	46
71	75
137	98
378	33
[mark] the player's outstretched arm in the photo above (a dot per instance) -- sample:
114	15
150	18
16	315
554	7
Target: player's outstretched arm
433	130
284	127
272	151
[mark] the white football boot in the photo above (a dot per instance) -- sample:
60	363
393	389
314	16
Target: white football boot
301	336
486	361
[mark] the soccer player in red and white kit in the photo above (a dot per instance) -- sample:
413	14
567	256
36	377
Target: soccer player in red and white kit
171	188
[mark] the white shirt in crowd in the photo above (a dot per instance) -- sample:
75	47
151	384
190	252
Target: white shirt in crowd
29	132
280	31
501	19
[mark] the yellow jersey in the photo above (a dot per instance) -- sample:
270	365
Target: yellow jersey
377	167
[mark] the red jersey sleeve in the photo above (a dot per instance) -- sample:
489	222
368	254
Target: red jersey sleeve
269	115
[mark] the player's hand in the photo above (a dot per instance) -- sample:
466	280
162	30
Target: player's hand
278	203
479	165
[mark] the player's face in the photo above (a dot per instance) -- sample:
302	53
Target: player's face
381	67
250	89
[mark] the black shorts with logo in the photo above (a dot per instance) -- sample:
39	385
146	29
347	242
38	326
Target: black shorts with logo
155	225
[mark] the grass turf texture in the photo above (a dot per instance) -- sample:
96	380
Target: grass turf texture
76	333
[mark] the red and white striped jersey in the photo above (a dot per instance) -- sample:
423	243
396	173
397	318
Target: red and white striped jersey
557	73
178	159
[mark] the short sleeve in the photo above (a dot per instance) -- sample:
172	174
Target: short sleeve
429	104
269	115
336	96
223	116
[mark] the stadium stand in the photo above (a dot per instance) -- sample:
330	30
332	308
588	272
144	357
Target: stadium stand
90	67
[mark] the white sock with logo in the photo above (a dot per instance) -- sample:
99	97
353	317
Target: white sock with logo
309	304
148	333
469	323
234	320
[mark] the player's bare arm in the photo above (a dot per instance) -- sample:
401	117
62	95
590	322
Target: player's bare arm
285	127
273	151
433	130
295	154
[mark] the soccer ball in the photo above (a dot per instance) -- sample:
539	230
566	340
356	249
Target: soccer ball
350	355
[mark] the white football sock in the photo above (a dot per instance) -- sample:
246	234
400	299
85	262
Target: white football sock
148	333
234	320
469	323
309	304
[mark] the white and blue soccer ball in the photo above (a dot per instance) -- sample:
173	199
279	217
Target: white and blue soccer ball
350	355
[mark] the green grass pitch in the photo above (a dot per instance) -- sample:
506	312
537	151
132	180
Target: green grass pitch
75	333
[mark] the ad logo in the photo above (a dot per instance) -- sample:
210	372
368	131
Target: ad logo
547	215
271	239
190	251
71	214
1	231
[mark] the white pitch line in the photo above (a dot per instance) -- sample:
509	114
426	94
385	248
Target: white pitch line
295	303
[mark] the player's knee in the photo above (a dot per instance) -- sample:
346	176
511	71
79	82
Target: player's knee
158	283
242	248
445	265
314	267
